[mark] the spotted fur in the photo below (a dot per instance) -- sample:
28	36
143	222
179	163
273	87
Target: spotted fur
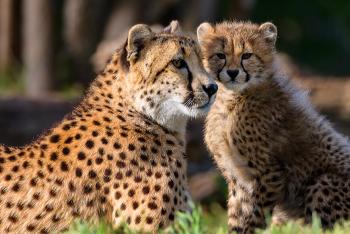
120	155
275	151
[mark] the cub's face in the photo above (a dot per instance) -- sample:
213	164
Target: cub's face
166	76
238	54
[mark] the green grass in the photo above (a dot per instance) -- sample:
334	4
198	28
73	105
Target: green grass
210	221
11	82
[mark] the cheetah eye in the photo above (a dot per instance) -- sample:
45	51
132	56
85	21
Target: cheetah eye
246	55
220	55
179	63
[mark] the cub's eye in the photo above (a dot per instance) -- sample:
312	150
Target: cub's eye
179	63
221	55
247	55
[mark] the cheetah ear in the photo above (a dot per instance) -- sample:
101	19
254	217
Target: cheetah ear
173	28
203	30
137	37
269	32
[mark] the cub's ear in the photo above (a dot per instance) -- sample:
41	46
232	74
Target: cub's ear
203	30
137	37
173	28
269	32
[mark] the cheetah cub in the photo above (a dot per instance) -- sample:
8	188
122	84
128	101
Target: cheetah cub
273	148
120	154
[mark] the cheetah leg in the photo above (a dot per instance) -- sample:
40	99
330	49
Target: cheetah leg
244	213
329	198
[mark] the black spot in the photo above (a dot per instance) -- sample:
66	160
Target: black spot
89	144
54	138
171	184
52	193
43	146
138	179
68	140
144	157
121	118
96	123
152	206
53	156
145	190
154	150
16	187
120	164
65	151
78	172
166	198
87	189
12	158
117	195
119	176
116	145
66	127
64	166
33	182
122	155
8	177
81	156
83	128
131	193
131	147
104	141
92	174
141	139
98	160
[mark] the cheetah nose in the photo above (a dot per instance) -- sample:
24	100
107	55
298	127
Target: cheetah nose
210	89
232	73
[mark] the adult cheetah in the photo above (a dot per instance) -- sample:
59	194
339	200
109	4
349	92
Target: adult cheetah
120	154
273	148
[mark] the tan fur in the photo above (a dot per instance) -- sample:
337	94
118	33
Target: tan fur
117	156
273	148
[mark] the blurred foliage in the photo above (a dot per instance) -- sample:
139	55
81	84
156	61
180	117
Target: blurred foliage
316	33
220	194
11	81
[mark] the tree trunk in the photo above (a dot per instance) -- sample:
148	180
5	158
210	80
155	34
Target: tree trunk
37	47
6	33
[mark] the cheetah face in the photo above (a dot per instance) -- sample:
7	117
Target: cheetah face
239	55
166	76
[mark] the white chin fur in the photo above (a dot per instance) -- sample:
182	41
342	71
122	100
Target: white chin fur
192	112
173	115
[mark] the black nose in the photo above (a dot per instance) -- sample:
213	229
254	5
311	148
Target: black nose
232	73
210	89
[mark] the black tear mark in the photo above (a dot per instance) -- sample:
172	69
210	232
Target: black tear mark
247	76
183	50
190	79
189	85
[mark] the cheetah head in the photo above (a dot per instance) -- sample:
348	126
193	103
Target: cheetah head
165	75
238	54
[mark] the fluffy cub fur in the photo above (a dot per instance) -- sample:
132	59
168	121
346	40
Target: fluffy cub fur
273	148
